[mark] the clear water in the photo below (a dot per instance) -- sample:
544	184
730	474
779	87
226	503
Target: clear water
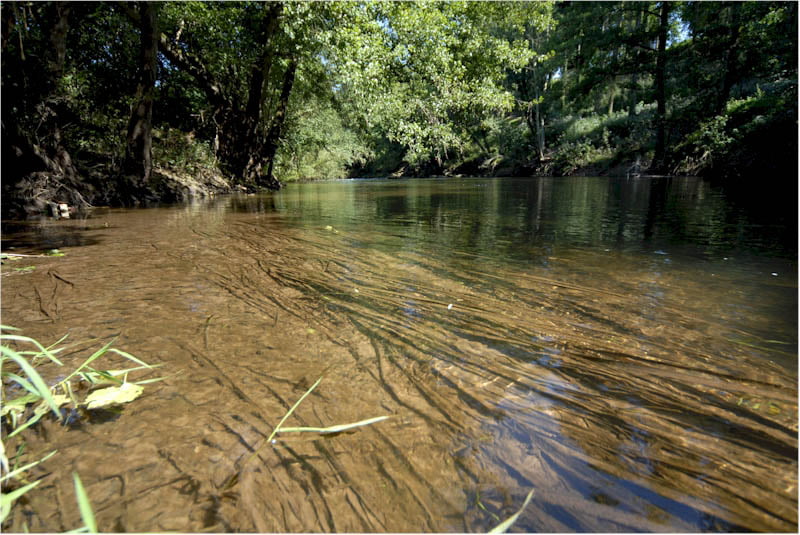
625	348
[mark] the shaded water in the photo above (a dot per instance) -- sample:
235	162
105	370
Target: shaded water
627	349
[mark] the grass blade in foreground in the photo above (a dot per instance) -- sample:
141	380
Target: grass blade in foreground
22	469
41	387
503	526
7	500
84	505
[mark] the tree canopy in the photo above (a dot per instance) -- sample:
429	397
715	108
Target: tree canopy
97	97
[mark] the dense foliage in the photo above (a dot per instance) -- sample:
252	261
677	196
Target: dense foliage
98	98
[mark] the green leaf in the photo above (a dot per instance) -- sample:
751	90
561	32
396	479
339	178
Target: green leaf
18	404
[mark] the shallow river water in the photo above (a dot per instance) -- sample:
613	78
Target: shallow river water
627	349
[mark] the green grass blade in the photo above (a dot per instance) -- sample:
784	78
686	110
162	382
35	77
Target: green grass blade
21	381
130	357
99	377
54	344
96	355
153	380
41	387
503	526
84	504
42	350
6	500
13	473
333	428
36	418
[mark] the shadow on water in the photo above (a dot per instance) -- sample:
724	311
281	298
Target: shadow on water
50	234
625	348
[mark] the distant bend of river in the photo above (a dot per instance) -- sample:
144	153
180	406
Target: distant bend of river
627	349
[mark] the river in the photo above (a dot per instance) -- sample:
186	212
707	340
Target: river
627	349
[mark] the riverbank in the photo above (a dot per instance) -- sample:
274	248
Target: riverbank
42	193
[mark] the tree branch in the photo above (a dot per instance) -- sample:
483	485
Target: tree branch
187	62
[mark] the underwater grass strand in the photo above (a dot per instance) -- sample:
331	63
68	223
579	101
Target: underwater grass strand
231	481
504	526
333	428
285	417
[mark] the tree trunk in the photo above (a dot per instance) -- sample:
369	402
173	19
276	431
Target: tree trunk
611	98
536	119
37	169
257	91
731	51
138	162
659	158
634	95
240	145
240	131
276	130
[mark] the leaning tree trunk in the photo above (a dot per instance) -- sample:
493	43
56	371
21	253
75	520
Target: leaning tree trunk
240	147
276	130
240	131
240	144
138	163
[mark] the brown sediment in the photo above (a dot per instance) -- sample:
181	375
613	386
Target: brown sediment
625	408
